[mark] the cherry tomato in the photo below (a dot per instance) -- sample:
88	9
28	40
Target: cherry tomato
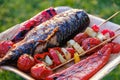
115	48
40	71
25	62
80	37
39	57
4	47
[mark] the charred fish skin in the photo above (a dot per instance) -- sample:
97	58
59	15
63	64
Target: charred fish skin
69	23
54	32
77	23
13	55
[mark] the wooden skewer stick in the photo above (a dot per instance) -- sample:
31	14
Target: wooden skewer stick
109	18
106	41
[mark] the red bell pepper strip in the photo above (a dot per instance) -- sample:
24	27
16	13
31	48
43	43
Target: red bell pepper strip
95	28
54	56
80	37
39	57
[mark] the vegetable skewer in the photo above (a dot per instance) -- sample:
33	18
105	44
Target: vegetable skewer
106	41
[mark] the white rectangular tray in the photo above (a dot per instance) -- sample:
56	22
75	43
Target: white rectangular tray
114	59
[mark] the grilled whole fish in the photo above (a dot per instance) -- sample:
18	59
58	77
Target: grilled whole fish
53	32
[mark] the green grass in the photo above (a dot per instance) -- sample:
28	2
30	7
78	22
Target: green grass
13	12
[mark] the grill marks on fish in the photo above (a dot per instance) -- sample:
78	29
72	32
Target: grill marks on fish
50	39
59	29
67	29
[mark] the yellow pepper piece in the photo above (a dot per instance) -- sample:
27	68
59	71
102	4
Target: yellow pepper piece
76	57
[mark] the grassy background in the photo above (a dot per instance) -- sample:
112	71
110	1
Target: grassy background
13	12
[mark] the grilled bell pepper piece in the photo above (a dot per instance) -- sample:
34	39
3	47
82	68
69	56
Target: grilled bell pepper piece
95	28
54	56
71	50
76	57
39	58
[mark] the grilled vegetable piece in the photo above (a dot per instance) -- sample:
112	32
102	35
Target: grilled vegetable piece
76	46
108	33
53	32
66	53
48	60
25	62
80	37
100	36
91	32
61	58
76	57
40	71
85	68
89	43
71	51
39	58
33	22
95	28
54	56
115	48
4	47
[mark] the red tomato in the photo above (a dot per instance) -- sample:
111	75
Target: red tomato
40	71
80	37
4	47
25	62
115	48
